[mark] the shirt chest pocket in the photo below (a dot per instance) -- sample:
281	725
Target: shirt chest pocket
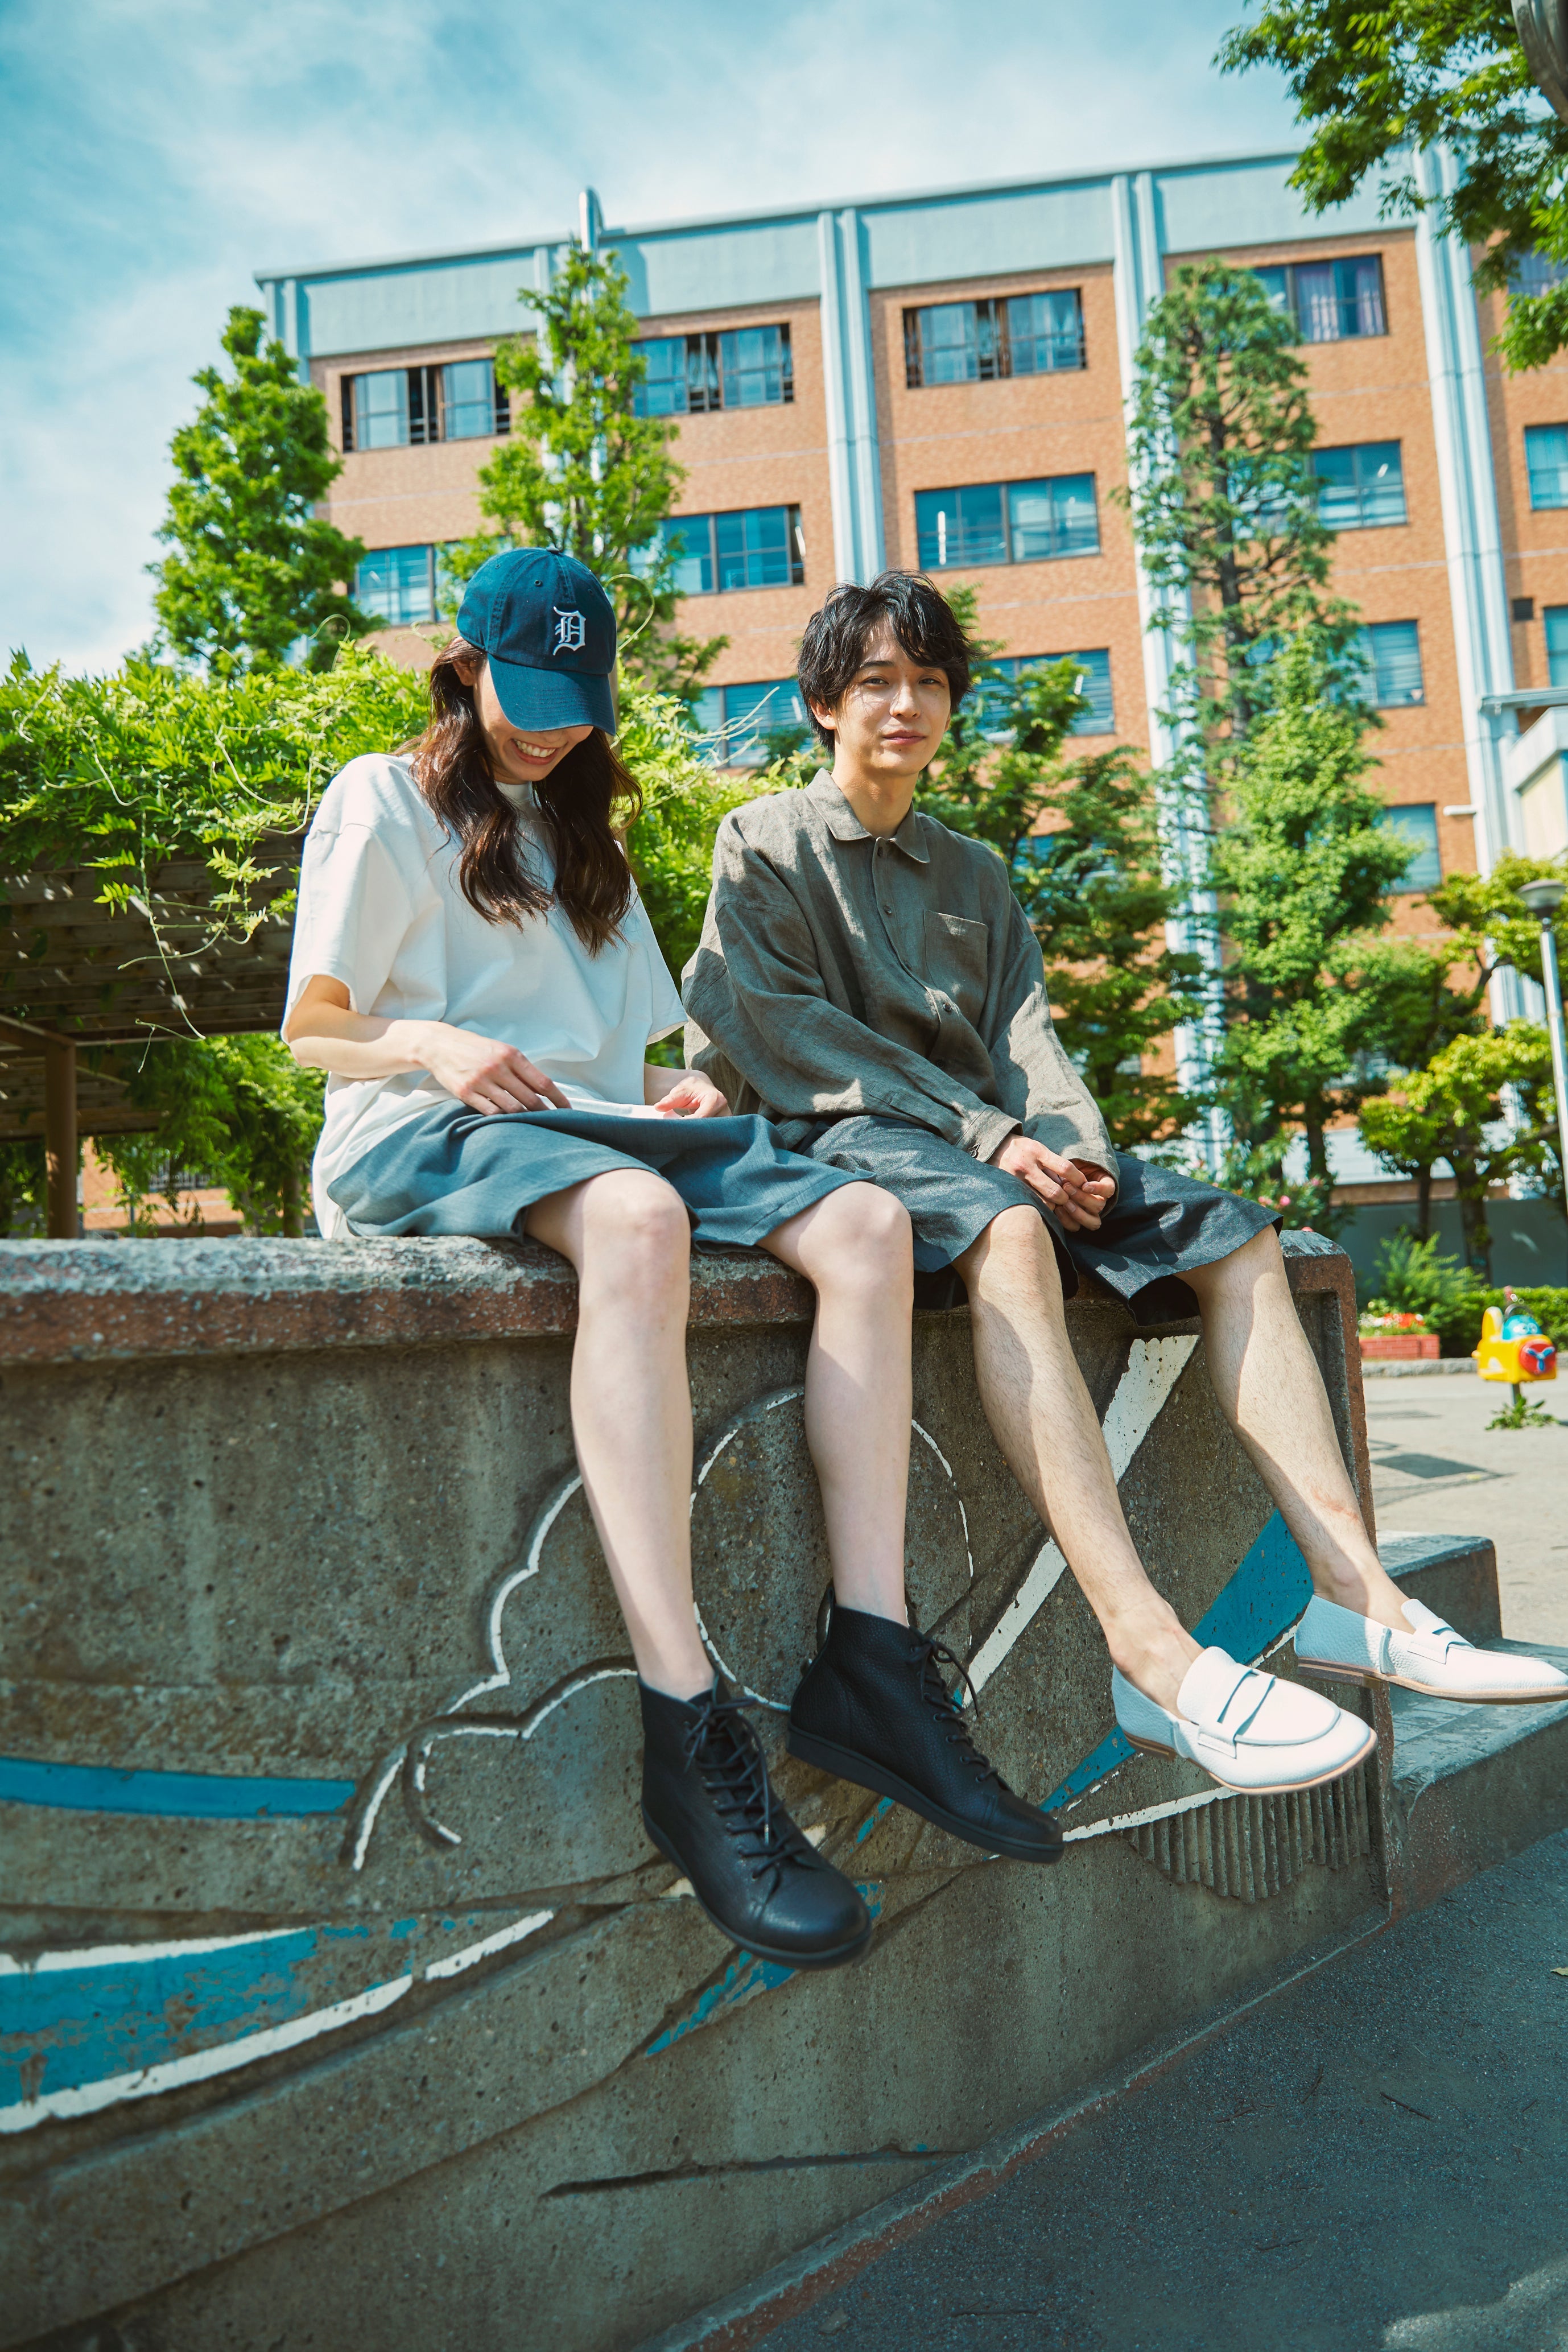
957	959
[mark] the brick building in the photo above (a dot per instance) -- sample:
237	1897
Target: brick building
939	380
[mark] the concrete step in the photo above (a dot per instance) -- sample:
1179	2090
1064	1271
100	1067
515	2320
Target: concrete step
1467	1786
1473	1785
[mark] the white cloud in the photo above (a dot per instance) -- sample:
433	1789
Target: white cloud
167	148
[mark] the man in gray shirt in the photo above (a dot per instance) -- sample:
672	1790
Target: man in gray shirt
867	980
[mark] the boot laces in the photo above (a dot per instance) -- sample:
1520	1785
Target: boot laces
725	1750
931	1656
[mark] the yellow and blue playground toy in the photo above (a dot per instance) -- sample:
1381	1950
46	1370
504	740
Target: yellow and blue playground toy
1514	1347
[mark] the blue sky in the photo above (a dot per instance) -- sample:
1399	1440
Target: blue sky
158	151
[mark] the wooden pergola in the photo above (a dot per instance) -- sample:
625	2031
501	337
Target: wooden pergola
82	983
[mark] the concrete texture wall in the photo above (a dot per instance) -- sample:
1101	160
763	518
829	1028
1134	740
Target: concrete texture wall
342	1999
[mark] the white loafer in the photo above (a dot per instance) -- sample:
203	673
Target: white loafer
1339	1646
1248	1730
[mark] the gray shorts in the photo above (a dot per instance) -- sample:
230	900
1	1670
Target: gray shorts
1160	1222
456	1170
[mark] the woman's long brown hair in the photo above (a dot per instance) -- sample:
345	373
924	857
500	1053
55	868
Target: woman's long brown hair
587	801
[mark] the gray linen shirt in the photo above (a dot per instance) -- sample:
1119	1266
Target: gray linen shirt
842	973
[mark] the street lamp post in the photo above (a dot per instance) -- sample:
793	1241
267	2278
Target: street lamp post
1543	899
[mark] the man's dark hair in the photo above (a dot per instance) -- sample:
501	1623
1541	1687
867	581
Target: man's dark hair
833	646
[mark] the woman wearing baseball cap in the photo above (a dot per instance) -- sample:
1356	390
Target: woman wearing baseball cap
473	968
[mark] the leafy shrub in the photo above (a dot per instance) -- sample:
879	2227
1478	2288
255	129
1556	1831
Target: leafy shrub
1412	1277
117	774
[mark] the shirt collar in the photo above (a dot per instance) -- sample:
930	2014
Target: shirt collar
845	825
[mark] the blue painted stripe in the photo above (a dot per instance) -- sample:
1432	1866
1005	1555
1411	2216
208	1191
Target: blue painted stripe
1268	1593
186	1796
1097	1765
65	2027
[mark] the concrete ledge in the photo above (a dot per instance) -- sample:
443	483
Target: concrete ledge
338	1945
102	1301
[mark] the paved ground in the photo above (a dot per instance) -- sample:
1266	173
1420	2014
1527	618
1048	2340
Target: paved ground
1438	1470
1377	2161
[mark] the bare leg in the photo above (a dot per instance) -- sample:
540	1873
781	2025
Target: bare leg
1043	1420
629	1236
854	1248
1270	1391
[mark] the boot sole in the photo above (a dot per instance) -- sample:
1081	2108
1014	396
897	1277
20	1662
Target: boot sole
837	1956
1324	1671
829	1758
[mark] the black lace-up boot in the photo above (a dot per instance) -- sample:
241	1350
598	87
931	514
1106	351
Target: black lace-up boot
873	1707
708	1806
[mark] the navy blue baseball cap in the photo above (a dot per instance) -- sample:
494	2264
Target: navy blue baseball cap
549	632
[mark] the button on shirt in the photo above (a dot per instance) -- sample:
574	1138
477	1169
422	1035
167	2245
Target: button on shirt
842	973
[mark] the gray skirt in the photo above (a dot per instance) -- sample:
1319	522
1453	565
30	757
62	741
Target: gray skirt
1160	1224
456	1170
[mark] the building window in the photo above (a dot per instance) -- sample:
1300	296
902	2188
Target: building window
1012	335
1546	461
376	410
1391	660
1534	273
1007	522
747	367
749	547
473	405
1361	486
400	585
1328	301
1555	617
392	407
747	726
1418	824
755	367
1093	684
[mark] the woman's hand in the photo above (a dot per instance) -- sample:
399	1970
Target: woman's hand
1075	1190
325	1033
484	1074
686	1095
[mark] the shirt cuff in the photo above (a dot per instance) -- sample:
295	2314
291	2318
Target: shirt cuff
986	1131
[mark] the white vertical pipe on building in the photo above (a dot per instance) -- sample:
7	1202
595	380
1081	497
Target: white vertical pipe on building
1137	276
854	454
835	389
298	335
864	447
1472	534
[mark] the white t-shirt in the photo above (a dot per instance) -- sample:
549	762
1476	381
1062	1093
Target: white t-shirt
380	910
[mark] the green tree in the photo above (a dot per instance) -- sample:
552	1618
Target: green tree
1455	1109
1080	841
583	472
1377	85
1224	507
1224	500
1302	869
253	569
1486	915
